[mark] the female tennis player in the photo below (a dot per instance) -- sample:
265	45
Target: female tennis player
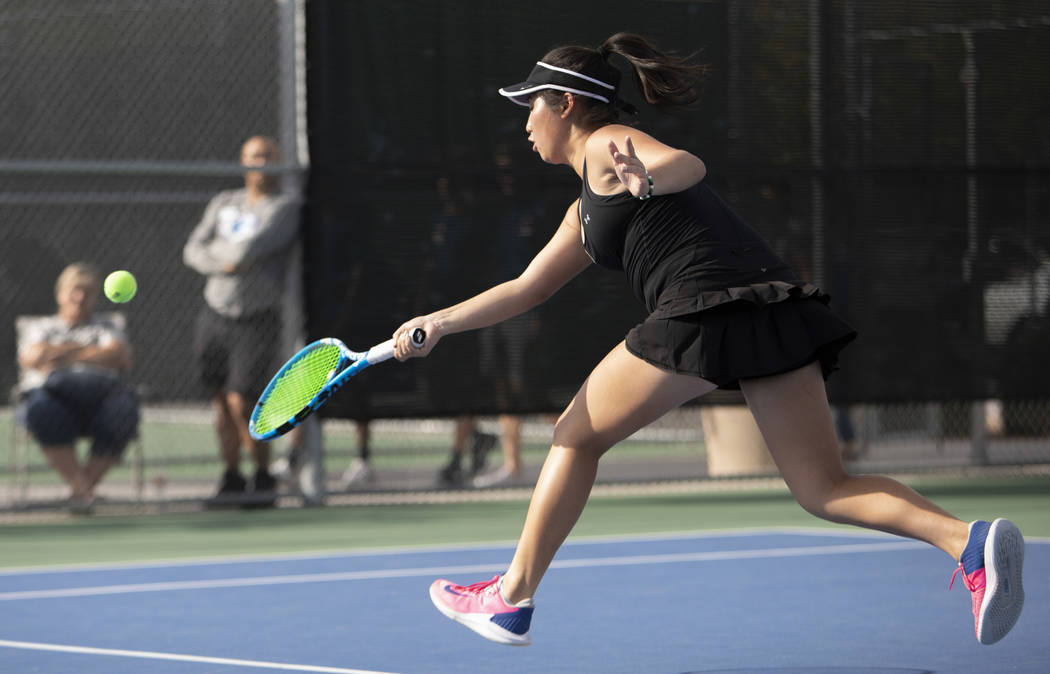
725	312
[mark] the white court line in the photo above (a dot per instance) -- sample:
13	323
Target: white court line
588	562
150	655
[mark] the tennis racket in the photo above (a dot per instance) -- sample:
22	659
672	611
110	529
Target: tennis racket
310	378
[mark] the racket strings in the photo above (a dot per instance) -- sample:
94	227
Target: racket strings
301	381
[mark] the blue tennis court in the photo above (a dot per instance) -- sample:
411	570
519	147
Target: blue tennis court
770	600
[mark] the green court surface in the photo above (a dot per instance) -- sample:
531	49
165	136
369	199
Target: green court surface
711	506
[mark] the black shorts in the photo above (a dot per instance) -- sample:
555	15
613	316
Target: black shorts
237	354
742	340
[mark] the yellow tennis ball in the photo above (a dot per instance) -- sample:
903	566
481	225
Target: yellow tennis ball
120	286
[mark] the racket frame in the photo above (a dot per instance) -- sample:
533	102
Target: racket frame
358	361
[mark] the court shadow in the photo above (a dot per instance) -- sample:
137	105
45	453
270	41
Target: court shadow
814	670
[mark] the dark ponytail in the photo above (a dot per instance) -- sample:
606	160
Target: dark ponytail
663	78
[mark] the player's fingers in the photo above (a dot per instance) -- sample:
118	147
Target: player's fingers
397	334
630	147
402	351
613	150
401	348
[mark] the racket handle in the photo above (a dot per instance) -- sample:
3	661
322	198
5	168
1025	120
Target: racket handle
419	335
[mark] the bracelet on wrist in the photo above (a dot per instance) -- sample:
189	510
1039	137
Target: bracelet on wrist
649	194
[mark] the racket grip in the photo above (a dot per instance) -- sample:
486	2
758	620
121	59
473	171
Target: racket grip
419	335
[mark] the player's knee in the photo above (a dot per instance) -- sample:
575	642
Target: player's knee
816	497
813	504
570	432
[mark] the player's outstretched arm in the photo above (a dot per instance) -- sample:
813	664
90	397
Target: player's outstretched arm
555	265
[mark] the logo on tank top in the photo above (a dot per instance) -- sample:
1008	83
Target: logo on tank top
583	236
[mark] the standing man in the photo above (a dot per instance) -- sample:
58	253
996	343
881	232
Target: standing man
241	246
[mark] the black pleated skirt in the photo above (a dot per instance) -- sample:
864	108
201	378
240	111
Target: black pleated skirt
744	340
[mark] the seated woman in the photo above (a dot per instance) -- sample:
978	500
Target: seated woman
70	382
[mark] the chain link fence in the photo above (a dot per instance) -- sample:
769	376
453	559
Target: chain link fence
121	118
120	121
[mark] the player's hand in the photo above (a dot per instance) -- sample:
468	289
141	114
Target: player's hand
629	168
403	346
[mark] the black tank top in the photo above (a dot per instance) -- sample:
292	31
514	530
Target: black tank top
683	252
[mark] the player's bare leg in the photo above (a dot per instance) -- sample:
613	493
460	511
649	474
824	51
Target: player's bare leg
793	414
622	394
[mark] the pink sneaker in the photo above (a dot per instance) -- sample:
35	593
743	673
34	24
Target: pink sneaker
481	607
996	588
